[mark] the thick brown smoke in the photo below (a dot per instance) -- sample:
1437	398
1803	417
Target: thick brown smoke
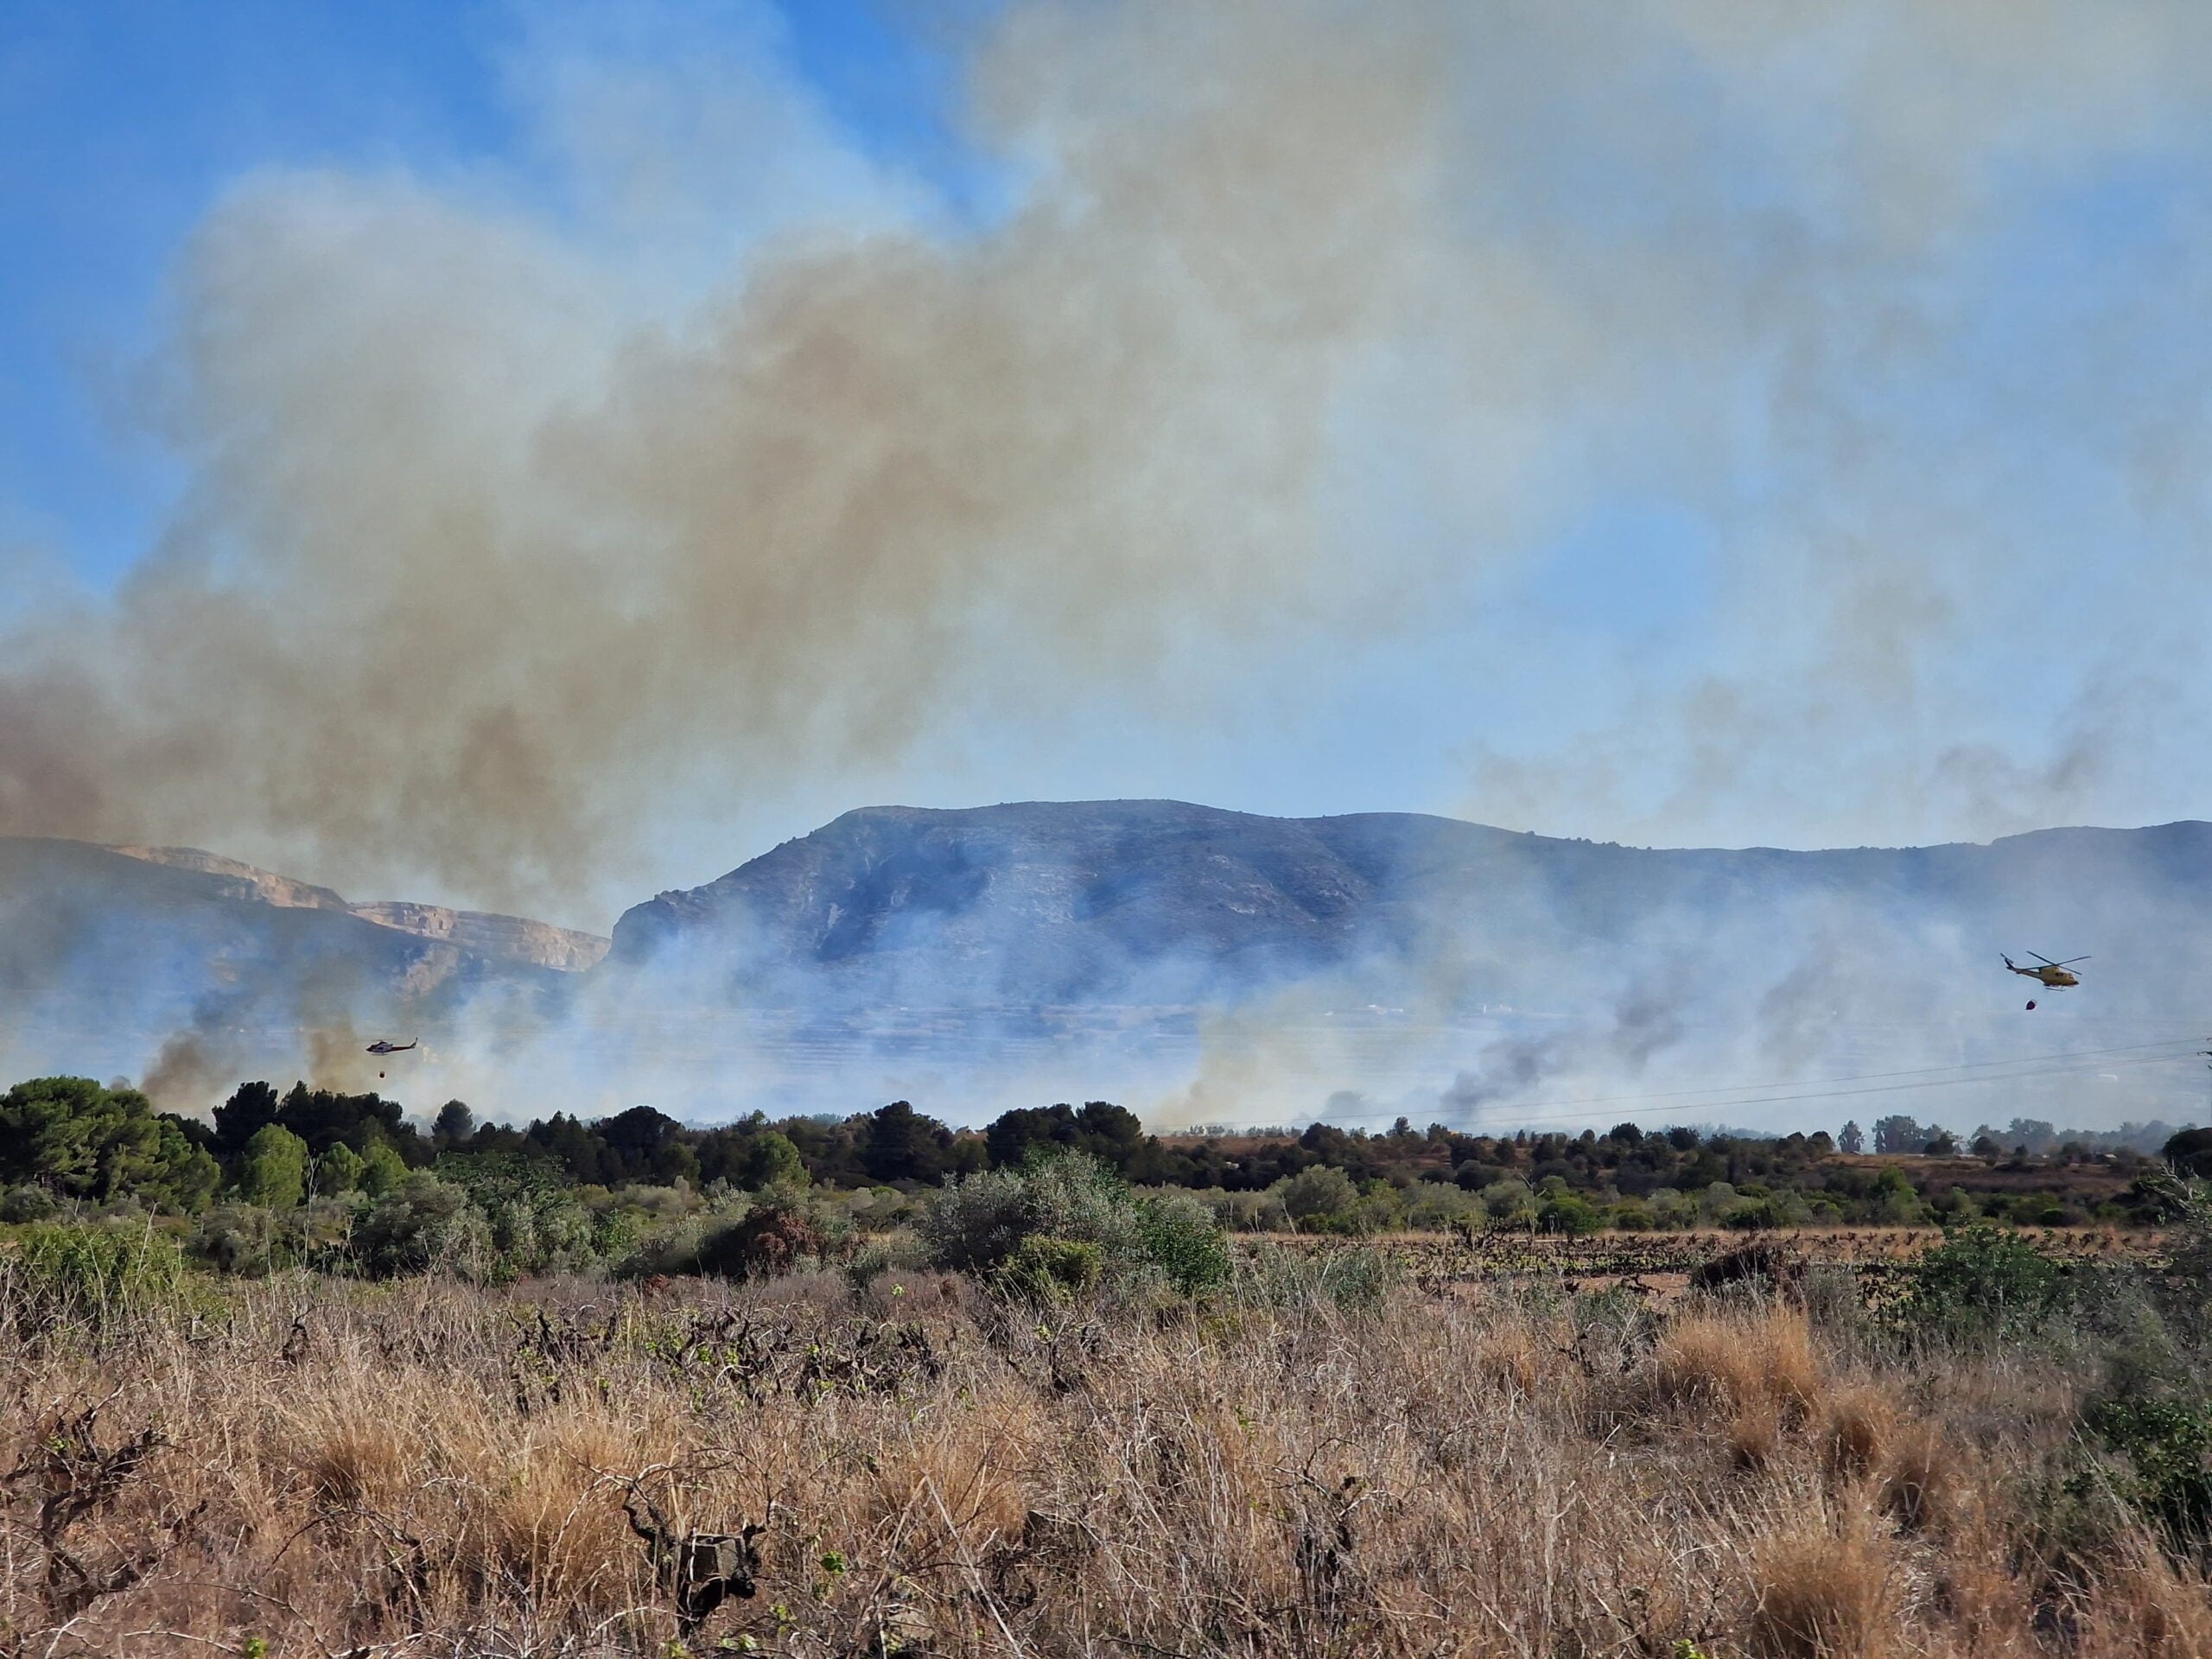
478	566
500	543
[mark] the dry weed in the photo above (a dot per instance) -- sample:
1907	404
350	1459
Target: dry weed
563	1470
1820	1594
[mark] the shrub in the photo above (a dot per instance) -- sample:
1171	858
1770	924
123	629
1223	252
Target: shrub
2168	1445
1437	1207
421	1225
1568	1214
1817	1596
92	1271
1510	1203
1045	1270
1753	1215
1314	1197
1182	1239
1245	1212
1355	1280
535	1221
978	1224
236	1238
22	1203
1982	1282
768	1240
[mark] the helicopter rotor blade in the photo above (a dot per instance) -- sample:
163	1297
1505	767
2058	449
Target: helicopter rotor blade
2069	961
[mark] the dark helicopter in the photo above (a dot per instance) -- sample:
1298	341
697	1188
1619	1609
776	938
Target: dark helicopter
385	1045
2052	975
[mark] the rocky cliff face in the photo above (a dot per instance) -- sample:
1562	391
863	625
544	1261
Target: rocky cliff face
500	939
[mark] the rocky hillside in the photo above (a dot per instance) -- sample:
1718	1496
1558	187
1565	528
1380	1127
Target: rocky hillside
513	939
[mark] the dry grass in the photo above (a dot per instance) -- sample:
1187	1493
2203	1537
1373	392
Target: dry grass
1825	1594
436	1472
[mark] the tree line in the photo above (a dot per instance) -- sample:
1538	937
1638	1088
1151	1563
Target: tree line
73	1139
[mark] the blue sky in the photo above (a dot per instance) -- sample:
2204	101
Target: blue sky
124	121
1645	423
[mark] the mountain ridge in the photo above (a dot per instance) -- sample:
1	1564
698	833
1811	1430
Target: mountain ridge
1054	900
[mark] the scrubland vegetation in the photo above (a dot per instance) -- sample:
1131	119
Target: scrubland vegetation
316	1380
1053	1414
349	1183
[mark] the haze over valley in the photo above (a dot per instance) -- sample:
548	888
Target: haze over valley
1201	965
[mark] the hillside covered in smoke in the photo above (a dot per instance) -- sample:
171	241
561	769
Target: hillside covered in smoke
170	962
1206	965
1160	901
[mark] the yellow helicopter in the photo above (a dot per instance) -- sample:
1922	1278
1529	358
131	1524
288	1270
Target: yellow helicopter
2052	975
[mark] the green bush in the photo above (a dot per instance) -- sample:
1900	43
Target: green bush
1753	1215
978	1224
1182	1239
92	1271
421	1225
21	1203
1568	1214
1046	1270
1510	1203
1315	1197
1356	1279
2167	1446
1982	1282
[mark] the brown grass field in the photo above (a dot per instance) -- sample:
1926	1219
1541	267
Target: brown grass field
1474	1467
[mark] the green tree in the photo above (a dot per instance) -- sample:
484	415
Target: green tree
339	1170
901	1144
771	1159
73	1137
275	1173
382	1169
454	1124
1897	1133
252	1107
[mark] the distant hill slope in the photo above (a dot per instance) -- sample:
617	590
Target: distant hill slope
1156	901
1040	950
500	939
100	948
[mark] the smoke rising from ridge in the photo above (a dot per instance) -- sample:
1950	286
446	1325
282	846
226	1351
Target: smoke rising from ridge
512	531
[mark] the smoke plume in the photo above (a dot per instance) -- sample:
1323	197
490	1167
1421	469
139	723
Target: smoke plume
512	532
